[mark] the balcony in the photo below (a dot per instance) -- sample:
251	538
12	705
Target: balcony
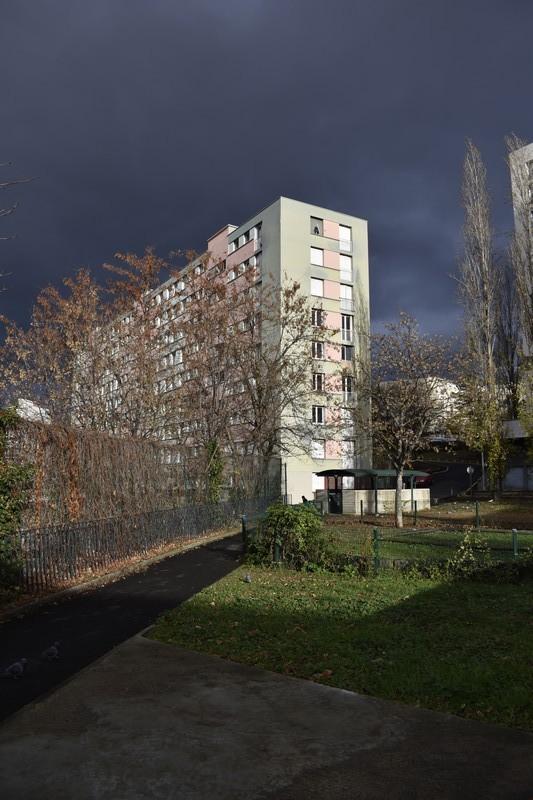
347	304
346	275
337	245
347	336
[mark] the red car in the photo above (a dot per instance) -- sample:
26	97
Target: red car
423	481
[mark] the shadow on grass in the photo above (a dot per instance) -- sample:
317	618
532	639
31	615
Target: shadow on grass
463	647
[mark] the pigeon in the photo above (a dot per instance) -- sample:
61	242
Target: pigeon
16	670
247	578
51	653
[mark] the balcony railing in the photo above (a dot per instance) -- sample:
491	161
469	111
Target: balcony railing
347	276
337	245
347	304
347	336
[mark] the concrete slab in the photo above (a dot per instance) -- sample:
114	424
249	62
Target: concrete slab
150	720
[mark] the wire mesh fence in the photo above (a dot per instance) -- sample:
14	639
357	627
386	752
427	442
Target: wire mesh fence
392	548
49	557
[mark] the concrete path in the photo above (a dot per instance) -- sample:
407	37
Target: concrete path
155	721
87	625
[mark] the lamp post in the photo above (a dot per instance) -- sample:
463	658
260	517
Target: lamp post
470	471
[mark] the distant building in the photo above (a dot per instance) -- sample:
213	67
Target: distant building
27	409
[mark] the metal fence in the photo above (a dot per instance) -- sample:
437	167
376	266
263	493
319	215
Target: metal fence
393	548
55	555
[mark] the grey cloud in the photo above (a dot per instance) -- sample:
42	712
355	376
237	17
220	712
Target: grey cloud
159	122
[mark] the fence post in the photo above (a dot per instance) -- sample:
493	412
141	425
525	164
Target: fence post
477	515
416	512
375	548
515	543
244	532
361	509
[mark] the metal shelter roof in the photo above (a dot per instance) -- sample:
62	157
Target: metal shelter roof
373	473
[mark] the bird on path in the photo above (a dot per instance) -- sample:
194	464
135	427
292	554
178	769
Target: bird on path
15	670
51	653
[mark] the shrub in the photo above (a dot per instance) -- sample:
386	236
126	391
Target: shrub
296	532
15	482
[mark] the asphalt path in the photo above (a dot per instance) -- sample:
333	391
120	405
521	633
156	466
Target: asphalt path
88	625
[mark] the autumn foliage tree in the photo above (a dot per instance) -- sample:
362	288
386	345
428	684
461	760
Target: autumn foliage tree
400	395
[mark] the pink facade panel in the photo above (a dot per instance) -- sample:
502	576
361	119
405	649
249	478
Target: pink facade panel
332	290
333	353
333	384
331	229
333	320
333	449
217	245
240	255
331	259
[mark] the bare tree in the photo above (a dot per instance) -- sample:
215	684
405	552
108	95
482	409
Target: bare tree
480	292
6	211
401	395
43	362
274	353
135	343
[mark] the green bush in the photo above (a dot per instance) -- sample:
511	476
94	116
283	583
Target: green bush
296	533
15	484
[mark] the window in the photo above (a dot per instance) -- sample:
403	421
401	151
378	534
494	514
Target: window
346	297
166	294
180	286
317	349
317	226
346	352
317	317
318	381
318	448
345	233
232	246
319	415
346	267
243	238
231	275
347	384
178	356
317	256
158	298
317	287
347	327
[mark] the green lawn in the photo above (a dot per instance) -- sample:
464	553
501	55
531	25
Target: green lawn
463	647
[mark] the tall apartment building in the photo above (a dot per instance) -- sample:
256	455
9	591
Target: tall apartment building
521	167
327	253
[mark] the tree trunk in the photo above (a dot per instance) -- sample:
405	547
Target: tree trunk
398	506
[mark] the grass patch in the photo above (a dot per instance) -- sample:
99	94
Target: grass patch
463	647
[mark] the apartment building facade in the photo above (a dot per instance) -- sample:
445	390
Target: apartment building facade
521	168
326	252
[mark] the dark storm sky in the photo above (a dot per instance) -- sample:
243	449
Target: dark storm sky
158	121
